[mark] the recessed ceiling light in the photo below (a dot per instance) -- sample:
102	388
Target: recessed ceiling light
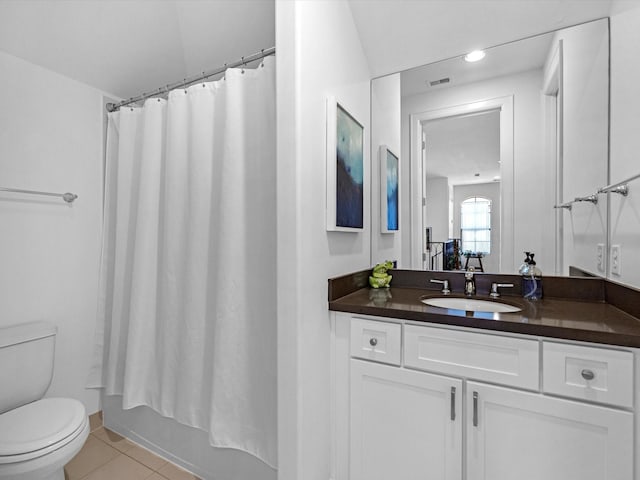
474	56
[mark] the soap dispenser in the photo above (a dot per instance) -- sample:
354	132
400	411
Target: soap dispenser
524	268
531	278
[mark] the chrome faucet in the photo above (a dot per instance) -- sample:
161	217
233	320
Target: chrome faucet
445	286
495	293
469	282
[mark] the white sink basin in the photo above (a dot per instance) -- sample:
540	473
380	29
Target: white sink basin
470	304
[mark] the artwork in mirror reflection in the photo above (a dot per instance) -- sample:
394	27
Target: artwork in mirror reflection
389	190
349	170
492	131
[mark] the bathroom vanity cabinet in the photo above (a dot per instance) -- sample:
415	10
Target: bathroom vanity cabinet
401	423
415	400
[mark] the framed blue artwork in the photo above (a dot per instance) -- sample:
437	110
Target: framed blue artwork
389	191
345	170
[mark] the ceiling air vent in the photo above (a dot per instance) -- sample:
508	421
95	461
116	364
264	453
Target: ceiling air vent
440	82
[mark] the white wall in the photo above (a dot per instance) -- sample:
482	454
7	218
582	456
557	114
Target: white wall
625	137
319	54
385	130
530	203
51	139
585	140
437	200
491	262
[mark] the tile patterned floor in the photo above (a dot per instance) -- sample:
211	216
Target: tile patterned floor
108	456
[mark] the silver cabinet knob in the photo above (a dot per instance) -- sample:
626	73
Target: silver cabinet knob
373	341
588	374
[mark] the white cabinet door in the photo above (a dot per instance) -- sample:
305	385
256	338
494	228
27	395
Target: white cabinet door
517	435
405	425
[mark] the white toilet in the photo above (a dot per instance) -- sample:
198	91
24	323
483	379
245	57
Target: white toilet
38	436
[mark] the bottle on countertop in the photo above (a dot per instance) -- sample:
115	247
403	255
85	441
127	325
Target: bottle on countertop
524	268
531	278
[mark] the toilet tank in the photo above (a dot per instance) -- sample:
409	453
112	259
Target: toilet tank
26	363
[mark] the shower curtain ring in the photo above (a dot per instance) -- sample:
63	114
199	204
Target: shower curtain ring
243	65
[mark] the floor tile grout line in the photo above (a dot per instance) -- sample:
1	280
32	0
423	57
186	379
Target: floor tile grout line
135	459
150	468
119	452
99	466
151	473
153	470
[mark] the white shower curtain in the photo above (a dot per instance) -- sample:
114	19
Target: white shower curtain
188	307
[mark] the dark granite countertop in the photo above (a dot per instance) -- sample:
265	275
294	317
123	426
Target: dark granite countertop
565	318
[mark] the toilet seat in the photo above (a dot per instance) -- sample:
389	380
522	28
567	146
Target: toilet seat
38	428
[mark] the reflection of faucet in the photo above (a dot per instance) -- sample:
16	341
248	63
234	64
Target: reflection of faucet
445	286
469	282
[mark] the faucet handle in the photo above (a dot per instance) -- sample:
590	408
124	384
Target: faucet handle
445	286
494	288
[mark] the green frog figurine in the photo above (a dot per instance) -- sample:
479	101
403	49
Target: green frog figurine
379	277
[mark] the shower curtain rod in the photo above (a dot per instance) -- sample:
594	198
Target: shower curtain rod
265	52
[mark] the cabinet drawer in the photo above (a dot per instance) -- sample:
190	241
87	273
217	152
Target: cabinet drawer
378	341
588	373
493	358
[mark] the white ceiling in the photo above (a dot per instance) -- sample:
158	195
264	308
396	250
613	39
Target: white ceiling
460	147
126	47
507	59
401	34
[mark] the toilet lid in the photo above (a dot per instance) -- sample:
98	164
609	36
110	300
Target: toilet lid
39	425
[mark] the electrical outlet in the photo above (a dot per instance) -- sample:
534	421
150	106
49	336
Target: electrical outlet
600	257
615	259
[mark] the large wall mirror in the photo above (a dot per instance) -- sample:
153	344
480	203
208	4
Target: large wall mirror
504	155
